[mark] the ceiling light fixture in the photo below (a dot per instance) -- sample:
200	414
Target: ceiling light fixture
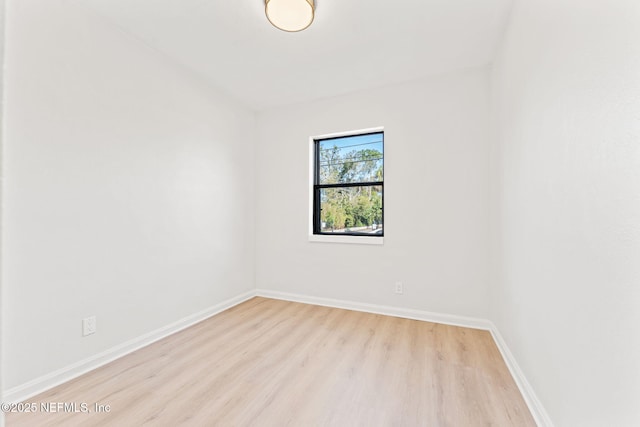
290	15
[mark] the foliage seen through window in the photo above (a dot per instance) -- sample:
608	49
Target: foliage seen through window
348	190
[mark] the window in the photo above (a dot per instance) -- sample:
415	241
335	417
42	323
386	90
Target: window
348	185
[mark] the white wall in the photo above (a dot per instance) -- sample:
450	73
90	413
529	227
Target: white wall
436	198
2	6
566	89
128	191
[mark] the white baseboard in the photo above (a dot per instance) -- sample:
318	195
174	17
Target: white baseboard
535	406
407	313
45	382
538	412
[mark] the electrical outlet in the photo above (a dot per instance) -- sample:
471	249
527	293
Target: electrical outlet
399	288
88	326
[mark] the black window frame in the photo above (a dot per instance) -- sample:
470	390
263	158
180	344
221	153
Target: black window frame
317	187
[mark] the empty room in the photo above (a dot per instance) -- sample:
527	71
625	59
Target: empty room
320	213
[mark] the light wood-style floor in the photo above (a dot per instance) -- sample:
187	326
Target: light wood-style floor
275	363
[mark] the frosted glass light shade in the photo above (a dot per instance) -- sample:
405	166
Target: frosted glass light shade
290	15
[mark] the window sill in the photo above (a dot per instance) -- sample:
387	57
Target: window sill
358	240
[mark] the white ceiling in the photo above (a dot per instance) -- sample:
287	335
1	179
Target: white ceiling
351	45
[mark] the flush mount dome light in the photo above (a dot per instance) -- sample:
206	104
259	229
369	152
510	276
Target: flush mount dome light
290	15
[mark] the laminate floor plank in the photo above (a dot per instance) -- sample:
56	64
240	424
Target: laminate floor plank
268	362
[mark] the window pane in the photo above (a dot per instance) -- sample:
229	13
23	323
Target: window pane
351	210
351	159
